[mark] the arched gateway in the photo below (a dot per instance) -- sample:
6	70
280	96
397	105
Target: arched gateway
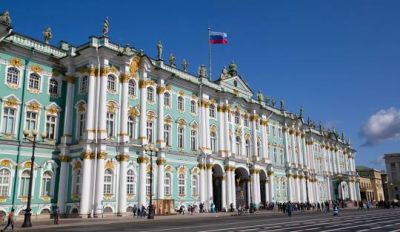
217	176
242	187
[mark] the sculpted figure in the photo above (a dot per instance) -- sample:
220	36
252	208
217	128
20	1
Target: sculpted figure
106	27
5	18
159	50
202	71
172	60
47	35
185	65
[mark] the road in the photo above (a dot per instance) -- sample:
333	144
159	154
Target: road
349	220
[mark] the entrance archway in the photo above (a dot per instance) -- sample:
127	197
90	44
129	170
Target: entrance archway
263	190
217	175
242	186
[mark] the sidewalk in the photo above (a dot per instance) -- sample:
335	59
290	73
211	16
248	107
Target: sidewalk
46	223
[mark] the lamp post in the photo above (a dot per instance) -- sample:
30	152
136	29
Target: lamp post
308	199
251	209
32	139
151	150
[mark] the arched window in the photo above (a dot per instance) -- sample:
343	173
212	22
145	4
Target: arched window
181	103
34	81
131	127
9	115
53	87
84	84
195	185
193	136
46	183
258	149
5	177
132	88
181	137
246	121
238	149
237	117
248	148
12	76
130	182
111	83
212	111
81	124
167	184
150	94
275	156
108	178
167	99
24	186
213	138
193	107
77	182
181	184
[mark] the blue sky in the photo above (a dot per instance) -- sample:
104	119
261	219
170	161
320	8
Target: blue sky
339	59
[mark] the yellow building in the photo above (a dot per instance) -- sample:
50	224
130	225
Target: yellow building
371	188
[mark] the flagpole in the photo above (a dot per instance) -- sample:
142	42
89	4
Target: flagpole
209	52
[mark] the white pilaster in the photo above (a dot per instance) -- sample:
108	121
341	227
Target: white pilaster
68	111
221	130
210	198
86	184
142	160
101	156
160	119
122	192
91	105
143	106
161	174
63	184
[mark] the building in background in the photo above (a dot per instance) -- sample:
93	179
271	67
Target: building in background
371	185
392	163
98	104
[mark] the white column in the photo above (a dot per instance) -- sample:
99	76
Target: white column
142	161
91	105
298	189
143	108
225	204
102	134
124	78
254	186
101	156
161	174
63	183
233	189
210	198
206	126
264	141
242	139
202	119
122	194
271	188
258	190
203	185
286	134
221	131
294	157
226	131
86	184
160	119
228	175
253	120
267	196
68	111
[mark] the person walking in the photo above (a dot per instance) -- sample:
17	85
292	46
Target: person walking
335	210
10	220
56	215
134	210
289	209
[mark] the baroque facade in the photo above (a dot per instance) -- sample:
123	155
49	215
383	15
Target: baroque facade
96	105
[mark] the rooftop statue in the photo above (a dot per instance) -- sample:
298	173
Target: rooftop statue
301	112
224	73
273	102
106	27
47	35
202	71
127	49
282	104
232	69
342	136
260	96
185	65
267	100
159	50
5	18
172	60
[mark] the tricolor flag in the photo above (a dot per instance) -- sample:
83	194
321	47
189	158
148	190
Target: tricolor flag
218	37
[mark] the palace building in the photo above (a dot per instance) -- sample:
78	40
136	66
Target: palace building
96	106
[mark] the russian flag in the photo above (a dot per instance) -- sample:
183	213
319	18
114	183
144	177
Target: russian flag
218	37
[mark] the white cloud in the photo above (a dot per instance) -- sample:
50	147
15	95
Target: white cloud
383	125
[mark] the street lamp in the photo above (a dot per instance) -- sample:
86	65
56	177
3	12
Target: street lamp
308	199
251	209
32	139
151	150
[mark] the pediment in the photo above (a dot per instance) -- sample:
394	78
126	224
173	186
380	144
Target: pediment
236	83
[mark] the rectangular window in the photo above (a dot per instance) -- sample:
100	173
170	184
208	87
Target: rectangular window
51	127
84	84
31	121
110	124
131	127
167	185
82	124
150	132
167	132
8	121
180	137
193	140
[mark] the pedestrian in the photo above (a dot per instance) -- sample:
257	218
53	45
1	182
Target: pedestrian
335	210
10	220
56	215
134	210
289	209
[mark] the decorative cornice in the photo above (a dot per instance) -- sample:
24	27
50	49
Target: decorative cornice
161	161
123	157
87	155
142	159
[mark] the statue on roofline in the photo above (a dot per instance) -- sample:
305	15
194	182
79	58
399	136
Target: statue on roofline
185	65
282	104
5	18
232	69
301	112
159	50
172	60
224	73
106	27
202	71
47	35
267	100
260	96
273	102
